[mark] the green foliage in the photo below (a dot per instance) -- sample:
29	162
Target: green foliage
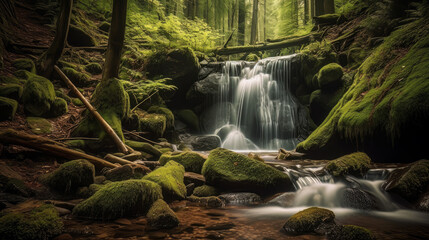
40	224
120	199
205	191
308	220
356	164
192	161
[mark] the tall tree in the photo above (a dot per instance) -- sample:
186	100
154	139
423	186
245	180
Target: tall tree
116	40
306	12
319	6
241	21
45	64
329	6
254	28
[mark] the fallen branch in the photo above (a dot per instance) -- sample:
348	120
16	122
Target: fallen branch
118	142
140	103
229	39
145	139
9	136
114	159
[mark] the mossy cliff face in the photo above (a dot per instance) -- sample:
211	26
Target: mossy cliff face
227	170
356	164
387	102
192	161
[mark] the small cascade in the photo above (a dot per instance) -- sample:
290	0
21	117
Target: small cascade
258	109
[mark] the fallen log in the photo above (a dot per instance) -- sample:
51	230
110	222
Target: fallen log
9	136
114	159
269	46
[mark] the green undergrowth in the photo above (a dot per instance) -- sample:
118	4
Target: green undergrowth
389	90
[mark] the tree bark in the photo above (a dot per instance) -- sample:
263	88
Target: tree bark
329	7
241	21
50	57
305	12
254	29
319	7
116	40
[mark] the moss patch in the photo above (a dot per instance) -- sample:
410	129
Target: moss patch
12	91
38	95
329	74
308	220
169	117
7	108
356	164
58	108
192	161
154	123
79	79
205	191
351	232
120	199
24	64
144	147
93	68
39	125
160	216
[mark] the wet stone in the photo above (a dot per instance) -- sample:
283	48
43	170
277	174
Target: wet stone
221	226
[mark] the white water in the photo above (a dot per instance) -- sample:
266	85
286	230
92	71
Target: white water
265	112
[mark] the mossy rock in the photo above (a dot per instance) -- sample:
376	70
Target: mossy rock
104	26
38	95
410	182
128	198
94	68
86	192
154	123
58	108
63	64
350	232
205	191
308	220
329	75
11	80
192	161
144	147
170	177
70	176
61	94
169	116
77	37
252	58
79	79
14	185
126	172
356	164
24	64
188	117
39	125
40	224
7	108
160	216
227	170
77	102
322	101
12	91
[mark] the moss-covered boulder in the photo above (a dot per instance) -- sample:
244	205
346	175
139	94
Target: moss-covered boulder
120	199
356	164
40	224
154	123
409	182
189	118
79	79
12	91
160	216
205	191
70	176
329	75
169	116
227	170
24	64
7	108
60	94
192	161
77	102
58	108
170	178
38	95
39	125
126	172
308	220
11	80
322	101
79	38
94	68
350	232
86	192
144	147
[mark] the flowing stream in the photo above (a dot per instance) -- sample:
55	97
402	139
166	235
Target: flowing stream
260	109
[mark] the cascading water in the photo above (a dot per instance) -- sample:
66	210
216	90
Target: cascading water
258	109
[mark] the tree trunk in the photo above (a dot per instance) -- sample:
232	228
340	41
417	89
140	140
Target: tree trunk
265	19
305	12
206	12
241	21
50	57
116	40
312	9
318	7
254	29
329	6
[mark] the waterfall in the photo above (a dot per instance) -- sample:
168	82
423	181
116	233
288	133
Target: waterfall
258	109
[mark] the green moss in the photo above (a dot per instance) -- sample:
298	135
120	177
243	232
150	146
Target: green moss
166	112
39	125
144	147
409	182
252	58
148	93
24	64
308	220
70	176
86	192
93	68
38	95
77	102
356	164
389	91
120	199
61	94
160	216
154	123
58	108
12	80
42	223
12	91
79	79
63	64
7	108
189	118
350	232
227	170
192	161
170	178
329	74
205	191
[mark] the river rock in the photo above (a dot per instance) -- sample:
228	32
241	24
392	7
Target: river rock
350	232
240	198
205	191
409	182
210	120
358	199
423	203
203	143
309	221
231	171
204	89
356	164
283	200
192	161
160	216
